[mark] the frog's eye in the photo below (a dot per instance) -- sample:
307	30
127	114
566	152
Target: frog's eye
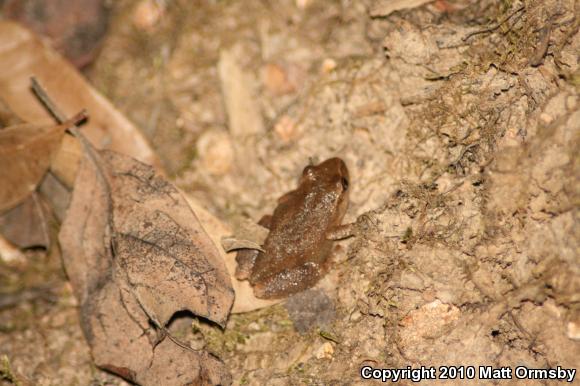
344	183
308	172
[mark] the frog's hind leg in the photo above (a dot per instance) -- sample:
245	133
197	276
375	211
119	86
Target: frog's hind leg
246	259
289	281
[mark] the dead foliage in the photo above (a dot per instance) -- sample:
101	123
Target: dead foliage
136	254
26	152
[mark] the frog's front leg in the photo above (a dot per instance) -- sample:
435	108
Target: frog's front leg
341	232
289	281
246	259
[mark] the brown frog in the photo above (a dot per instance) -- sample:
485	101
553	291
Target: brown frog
297	249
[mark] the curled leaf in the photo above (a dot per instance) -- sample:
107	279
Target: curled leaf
136	254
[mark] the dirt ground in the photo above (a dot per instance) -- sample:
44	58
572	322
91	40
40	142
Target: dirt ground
460	125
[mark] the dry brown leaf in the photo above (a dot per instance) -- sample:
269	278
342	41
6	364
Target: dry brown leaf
66	160
26	225
24	55
56	194
75	28
136	254
25	155
7	116
123	342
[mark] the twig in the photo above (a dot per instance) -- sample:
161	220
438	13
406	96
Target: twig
42	95
178	342
51	107
495	26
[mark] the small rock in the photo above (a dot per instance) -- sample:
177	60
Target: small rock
325	351
546	118
310	309
216	151
328	65
276	80
303	4
254	326
147	14
355	316
287	129
573	330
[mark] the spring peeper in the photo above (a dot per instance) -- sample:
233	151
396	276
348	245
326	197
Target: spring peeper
296	251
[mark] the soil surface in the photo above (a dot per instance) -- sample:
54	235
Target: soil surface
460	125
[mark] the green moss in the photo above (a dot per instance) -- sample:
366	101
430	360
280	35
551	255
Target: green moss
407	235
329	336
6	372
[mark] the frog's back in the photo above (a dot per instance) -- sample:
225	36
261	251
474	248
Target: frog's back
296	236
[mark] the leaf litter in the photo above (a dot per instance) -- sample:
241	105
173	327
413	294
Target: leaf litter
136	254
133	249
25	155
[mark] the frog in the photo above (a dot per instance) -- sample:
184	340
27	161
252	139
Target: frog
306	221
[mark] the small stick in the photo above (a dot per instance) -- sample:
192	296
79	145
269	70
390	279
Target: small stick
52	108
494	27
42	95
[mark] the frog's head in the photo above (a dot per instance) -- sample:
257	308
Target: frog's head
332	177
